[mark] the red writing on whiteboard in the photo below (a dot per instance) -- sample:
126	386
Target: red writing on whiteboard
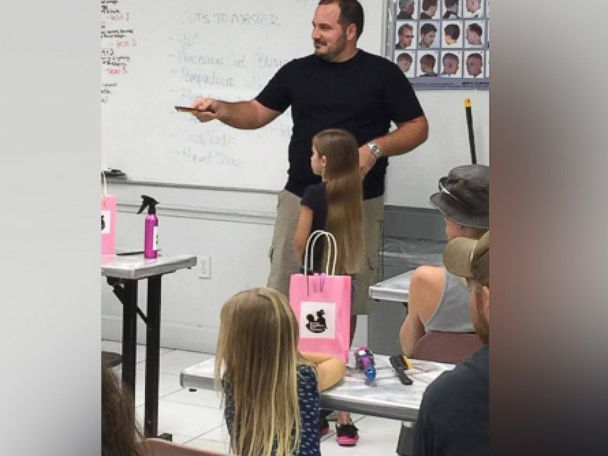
118	17
116	70
126	43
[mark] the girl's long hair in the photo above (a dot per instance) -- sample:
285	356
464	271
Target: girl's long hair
257	358
120	434
344	195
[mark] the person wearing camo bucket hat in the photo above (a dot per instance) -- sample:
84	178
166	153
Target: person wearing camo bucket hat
463	196
437	298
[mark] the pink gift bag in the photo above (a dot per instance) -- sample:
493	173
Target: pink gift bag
322	303
108	219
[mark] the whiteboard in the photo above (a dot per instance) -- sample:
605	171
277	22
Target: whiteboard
158	54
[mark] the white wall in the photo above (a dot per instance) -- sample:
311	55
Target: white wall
144	136
413	177
234	229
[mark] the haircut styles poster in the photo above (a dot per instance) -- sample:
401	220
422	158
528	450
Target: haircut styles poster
441	44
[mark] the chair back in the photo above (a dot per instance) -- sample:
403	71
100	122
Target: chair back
446	347
160	447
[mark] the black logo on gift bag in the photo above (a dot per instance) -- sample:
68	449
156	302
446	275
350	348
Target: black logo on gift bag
316	326
103	222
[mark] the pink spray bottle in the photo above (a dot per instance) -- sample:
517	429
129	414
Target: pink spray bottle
151	227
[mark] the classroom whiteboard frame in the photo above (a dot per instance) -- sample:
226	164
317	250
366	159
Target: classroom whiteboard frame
365	42
410	178
127	181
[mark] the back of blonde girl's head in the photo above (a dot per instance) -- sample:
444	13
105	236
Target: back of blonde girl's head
344	195
257	355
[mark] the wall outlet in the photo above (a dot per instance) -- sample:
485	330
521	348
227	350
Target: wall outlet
203	263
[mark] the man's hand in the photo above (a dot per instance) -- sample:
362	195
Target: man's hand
209	106
246	115
366	160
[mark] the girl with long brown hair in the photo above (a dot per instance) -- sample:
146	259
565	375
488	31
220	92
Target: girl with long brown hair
335	205
120	433
270	390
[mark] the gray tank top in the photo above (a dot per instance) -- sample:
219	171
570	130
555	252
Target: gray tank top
452	313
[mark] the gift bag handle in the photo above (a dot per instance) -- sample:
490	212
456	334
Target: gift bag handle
332	251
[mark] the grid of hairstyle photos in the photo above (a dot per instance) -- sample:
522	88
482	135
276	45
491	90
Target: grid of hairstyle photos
442	43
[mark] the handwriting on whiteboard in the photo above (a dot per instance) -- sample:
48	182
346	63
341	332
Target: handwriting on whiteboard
117	40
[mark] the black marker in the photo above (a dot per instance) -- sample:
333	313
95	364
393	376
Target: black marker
113	172
190	110
400	363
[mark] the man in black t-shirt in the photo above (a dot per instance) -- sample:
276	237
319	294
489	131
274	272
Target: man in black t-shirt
454	414
339	86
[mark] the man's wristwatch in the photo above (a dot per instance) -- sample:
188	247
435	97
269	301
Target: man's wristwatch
373	147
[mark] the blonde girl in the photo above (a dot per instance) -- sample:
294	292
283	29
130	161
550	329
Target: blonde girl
335	205
270	390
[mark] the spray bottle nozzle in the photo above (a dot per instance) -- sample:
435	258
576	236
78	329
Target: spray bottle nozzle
148	201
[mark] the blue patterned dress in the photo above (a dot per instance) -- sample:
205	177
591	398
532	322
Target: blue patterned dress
308	396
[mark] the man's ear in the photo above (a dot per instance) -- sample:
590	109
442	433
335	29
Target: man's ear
485	302
351	32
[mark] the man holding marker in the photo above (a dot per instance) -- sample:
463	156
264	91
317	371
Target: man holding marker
339	86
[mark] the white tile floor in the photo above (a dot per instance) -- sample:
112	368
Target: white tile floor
196	419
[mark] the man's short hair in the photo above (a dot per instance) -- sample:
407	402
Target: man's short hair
476	28
403	27
450	3
404	3
475	55
404	56
426	4
351	12
450	56
452	30
427	28
469	258
428	59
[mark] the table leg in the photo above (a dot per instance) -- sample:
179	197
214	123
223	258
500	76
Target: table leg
129	335
405	445
152	357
